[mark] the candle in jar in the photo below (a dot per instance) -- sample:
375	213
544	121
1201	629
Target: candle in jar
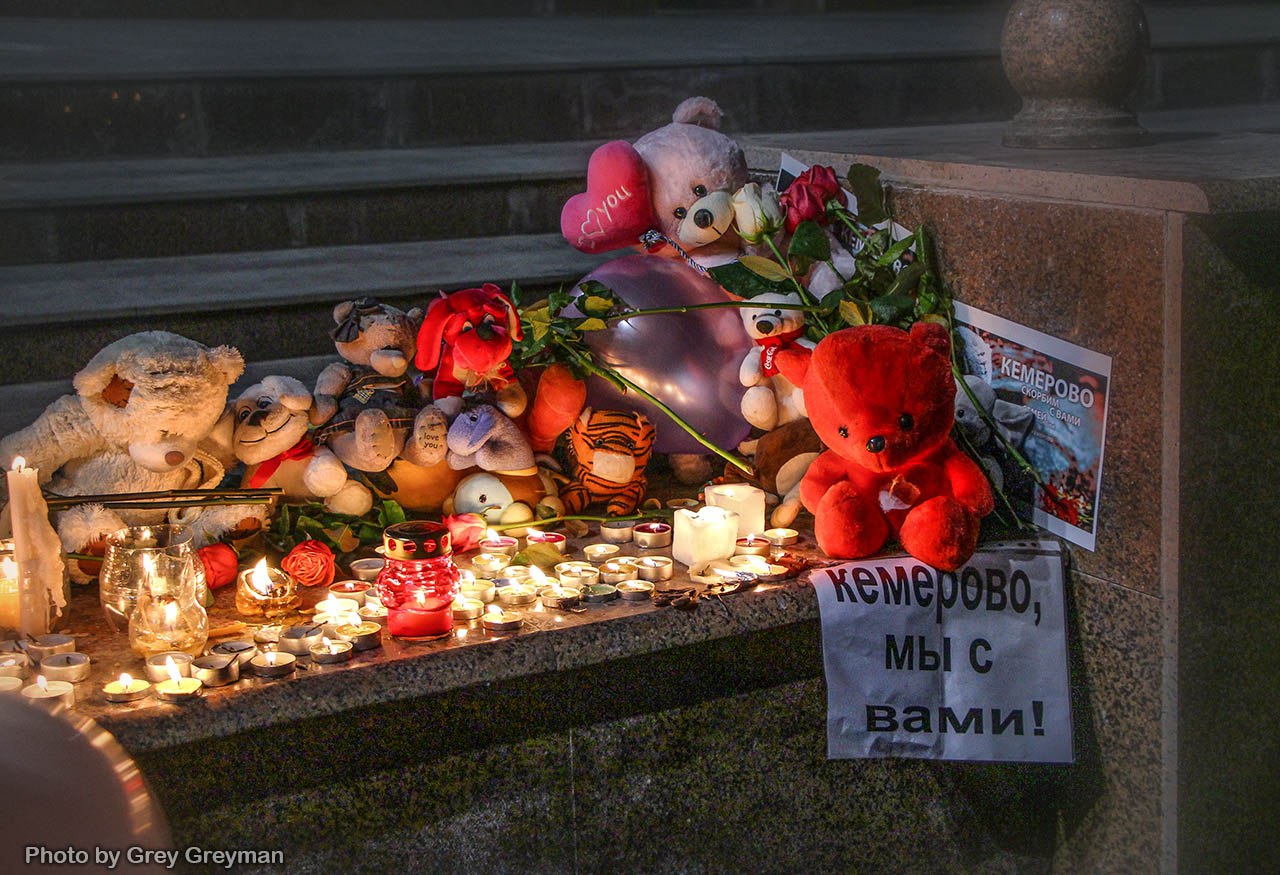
421	615
126	689
744	500
50	693
266	592
176	688
705	536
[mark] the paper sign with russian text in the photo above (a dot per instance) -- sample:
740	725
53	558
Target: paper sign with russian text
963	665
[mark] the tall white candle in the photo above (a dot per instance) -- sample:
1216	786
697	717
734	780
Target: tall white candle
710	533
36	550
744	500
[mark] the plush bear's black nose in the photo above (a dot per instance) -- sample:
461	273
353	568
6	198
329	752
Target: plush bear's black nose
876	444
703	218
764	326
257	417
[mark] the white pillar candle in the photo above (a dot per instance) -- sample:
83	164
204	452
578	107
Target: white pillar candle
702	537
746	501
36	551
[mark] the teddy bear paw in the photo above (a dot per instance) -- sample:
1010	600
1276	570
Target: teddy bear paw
426	445
377	441
353	498
940	532
847	525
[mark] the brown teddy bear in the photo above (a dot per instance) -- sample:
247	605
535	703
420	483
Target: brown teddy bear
367	406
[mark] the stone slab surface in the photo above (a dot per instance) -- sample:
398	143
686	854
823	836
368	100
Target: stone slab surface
1202	160
47	49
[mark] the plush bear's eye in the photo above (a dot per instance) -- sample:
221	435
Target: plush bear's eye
905	422
842	431
482	498
700	190
681	212
243	414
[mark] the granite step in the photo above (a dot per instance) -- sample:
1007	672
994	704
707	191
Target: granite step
270	305
86	88
133	208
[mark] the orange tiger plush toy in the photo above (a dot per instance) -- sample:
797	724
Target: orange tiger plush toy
609	450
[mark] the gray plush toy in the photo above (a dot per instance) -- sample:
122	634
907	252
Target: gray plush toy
485	437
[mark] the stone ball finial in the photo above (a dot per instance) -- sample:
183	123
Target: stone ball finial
1074	62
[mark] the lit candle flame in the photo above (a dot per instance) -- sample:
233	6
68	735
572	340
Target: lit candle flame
19	463
462	633
491	535
421	598
536	575
494	610
533	534
271	657
8	568
148	565
172	668
326	644
171	615
465	577
126	680
260	579
42	683
328	606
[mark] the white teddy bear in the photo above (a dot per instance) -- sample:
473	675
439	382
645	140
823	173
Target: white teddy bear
142	408
771	399
272	418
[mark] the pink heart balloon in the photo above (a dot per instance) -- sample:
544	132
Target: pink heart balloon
615	209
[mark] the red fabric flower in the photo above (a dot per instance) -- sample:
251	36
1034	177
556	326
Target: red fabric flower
467	530
220	564
310	563
806	198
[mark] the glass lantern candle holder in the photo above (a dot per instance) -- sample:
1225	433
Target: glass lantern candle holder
168	615
419	581
123	570
266	592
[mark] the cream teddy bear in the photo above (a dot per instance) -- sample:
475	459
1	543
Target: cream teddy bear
142	408
771	399
272	418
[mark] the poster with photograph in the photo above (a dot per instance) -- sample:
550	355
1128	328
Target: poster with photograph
1049	399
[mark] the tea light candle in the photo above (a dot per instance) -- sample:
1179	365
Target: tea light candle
216	670
517	595
600	552
10	685
157	667
617	572
558	596
297	640
656	568
71	667
273	664
356	590
599	593
367	569
551	539
373	613
497	620
650	536
126	689
241	651
516	574
466	608
14	665
635	590
330	652
489	564
747	562
782	537
330	622
48	645
483	590
753	545
705	536
495	543
50	693
580	576
617	531
740	498
686	503
176	688
333	605
362	636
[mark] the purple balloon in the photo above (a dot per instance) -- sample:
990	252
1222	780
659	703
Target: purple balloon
689	360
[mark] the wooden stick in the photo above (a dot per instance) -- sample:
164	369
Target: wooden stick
167	493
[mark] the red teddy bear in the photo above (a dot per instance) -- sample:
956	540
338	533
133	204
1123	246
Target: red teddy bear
882	400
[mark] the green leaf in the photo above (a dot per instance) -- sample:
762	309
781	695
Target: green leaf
907	278
831	301
894	252
391	513
743	283
892	309
764	268
809	241
595	287
855	313
864	182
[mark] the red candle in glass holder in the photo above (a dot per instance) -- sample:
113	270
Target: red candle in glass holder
419	580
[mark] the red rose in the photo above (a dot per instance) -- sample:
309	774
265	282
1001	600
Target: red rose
310	563
466	530
220	564
806	198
